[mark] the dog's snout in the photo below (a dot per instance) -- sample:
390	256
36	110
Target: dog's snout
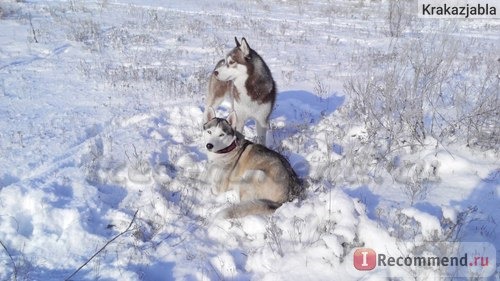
210	146
216	73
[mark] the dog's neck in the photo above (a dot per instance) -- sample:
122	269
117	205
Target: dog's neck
230	148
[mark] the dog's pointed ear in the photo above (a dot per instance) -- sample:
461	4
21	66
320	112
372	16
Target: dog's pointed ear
232	119
209	114
244	47
237	43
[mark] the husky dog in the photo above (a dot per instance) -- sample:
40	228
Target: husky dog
263	179
244	76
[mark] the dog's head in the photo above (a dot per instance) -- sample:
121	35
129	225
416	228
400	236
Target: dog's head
235	63
218	133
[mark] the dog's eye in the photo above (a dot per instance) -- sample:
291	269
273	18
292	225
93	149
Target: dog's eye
221	135
209	132
231	62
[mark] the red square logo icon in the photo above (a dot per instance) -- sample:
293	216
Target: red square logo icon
365	259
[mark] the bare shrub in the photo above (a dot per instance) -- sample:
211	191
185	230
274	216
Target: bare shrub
405	228
87	32
91	162
392	102
410	94
320	88
398	16
476	108
12	11
274	237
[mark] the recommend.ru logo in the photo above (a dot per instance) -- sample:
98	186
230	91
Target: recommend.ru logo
467	259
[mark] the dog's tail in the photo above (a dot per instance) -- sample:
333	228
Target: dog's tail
254	207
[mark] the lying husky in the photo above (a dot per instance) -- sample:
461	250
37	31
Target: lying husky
262	177
245	78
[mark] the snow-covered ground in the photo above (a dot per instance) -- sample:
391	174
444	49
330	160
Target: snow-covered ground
100	117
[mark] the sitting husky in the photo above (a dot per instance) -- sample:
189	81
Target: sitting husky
263	179
244	76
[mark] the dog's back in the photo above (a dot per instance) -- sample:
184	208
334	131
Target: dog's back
271	182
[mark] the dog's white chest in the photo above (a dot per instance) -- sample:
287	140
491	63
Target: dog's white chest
246	107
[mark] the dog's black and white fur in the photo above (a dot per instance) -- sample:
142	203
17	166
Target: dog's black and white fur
246	79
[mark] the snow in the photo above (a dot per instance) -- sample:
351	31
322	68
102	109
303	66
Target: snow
449	214
430	224
101	116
